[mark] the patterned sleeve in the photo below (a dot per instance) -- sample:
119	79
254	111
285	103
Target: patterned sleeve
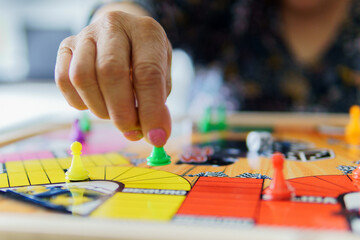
168	13
201	28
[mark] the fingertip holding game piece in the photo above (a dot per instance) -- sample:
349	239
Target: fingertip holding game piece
279	188
158	157
77	171
157	137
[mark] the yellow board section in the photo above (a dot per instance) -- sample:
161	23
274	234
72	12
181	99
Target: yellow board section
140	206
134	173
100	160
56	176
117	159
17	179
65	163
33	166
159	185
38	177
50	164
135	177
168	180
96	173
3	180
87	162
154	175
114	172
12	167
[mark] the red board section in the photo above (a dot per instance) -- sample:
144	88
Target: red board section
241	198
223	197
297	214
309	215
325	186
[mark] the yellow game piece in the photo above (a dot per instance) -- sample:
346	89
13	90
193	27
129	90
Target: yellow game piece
76	171
352	130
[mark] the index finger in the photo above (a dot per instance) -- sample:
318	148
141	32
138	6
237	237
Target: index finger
150	65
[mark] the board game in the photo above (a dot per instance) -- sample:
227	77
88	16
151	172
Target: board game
214	179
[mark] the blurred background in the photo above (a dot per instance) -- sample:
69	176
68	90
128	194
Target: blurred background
30	33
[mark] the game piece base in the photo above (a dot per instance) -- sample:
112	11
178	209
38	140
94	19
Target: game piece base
151	163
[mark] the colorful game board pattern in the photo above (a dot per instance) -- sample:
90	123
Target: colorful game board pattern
227	198
128	204
151	194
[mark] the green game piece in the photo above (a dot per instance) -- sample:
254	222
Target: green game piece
205	124
221	121
158	157
85	124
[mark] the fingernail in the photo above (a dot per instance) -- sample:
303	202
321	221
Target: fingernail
134	135
157	137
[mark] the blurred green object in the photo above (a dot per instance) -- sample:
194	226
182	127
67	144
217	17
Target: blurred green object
208	124
85	123
158	157
205	124
221	118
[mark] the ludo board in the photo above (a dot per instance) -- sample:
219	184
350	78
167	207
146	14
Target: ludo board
213	179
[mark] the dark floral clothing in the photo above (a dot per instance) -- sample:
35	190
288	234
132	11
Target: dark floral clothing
242	36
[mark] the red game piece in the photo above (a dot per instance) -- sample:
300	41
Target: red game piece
279	189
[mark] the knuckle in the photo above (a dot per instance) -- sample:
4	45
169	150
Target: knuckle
124	118
148	74
111	16
111	21
64	50
149	26
81	78
67	43
61	81
149	23
112	69
85	39
87	32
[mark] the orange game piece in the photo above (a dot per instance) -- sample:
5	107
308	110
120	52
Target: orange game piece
279	189
352	129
